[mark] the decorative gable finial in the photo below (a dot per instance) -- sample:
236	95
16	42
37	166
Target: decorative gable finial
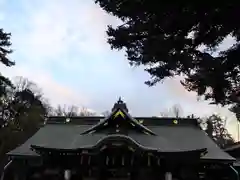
120	105
120	100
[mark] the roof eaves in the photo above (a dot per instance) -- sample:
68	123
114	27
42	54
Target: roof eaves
119	137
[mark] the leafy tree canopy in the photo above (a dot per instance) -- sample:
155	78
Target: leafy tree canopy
22	110
5	50
216	129
166	38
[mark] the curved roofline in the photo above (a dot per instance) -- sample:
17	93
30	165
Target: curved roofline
118	138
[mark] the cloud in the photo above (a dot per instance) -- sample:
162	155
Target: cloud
54	91
55	34
2	15
56	27
62	46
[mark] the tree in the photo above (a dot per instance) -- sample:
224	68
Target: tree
216	129
23	99
68	111
235	108
27	100
5	84
166	39
5	50
71	111
26	110
106	113
174	111
86	112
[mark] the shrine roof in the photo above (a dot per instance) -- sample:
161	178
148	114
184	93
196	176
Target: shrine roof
169	138
162	135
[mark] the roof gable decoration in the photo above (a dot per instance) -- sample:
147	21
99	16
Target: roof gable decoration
119	113
120	105
175	121
118	117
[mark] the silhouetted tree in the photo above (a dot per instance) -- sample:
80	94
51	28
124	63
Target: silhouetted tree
235	108
71	111
216	129
174	111
5	50
68	111
26	111
86	112
5	83
106	113
180	39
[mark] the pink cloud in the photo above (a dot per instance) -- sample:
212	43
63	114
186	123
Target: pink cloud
54	91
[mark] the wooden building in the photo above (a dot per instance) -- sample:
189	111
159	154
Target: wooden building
120	147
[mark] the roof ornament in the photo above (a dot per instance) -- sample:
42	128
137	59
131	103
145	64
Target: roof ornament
120	105
119	113
68	120
175	121
120	100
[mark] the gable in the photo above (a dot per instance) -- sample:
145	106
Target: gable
119	121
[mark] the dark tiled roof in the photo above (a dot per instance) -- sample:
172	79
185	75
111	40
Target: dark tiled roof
170	138
192	137
57	135
164	135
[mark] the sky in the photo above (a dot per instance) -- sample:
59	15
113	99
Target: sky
62	47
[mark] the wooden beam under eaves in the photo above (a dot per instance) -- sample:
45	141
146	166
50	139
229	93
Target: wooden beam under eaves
107	160
123	160
81	160
149	160
113	160
158	161
89	160
132	159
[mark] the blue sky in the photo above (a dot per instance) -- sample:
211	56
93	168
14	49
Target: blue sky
61	45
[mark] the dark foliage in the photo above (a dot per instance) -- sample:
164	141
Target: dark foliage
5	48
22	110
235	108
4	52
165	38
216	129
